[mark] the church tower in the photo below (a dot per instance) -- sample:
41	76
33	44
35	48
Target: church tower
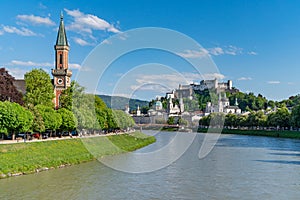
61	73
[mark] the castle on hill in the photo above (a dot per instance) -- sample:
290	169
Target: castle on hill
188	91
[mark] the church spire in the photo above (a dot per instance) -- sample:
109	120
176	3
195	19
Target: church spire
61	73
61	35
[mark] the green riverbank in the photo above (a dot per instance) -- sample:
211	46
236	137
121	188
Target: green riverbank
269	133
26	158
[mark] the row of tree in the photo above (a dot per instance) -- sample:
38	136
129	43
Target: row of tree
78	110
281	118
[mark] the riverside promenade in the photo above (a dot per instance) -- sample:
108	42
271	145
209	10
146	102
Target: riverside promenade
18	140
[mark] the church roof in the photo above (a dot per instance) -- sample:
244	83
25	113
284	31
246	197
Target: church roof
20	85
61	35
158	103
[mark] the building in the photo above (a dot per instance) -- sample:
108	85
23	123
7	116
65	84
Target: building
61	73
138	111
170	94
213	84
158	105
175	110
223	106
187	91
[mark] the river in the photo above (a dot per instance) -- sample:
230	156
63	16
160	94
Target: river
239	167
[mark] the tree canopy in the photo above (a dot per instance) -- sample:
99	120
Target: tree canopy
14	118
39	89
52	119
8	90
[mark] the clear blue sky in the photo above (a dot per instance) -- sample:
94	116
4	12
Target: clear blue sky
254	43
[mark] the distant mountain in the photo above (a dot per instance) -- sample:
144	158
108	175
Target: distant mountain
119	103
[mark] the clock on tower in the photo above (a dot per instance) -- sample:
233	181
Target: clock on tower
61	73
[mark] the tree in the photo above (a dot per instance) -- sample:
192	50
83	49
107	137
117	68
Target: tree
65	99
123	120
24	117
217	119
271	104
231	120
279	118
171	120
204	121
69	121
183	122
283	117
242	121
52	119
14	118
191	105
111	121
8	91
9	121
256	119
38	122
295	116
39	89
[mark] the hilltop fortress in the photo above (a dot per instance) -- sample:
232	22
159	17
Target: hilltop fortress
187	91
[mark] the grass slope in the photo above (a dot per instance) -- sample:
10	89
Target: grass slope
25	158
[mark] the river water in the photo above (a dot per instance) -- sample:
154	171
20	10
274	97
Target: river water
239	167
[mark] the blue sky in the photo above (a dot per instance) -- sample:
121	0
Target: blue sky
254	43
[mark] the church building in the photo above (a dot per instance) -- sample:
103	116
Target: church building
61	73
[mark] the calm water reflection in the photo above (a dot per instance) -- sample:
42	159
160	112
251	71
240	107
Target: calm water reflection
239	167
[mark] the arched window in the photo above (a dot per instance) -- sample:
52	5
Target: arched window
60	59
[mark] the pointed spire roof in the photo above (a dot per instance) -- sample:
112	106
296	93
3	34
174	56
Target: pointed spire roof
61	35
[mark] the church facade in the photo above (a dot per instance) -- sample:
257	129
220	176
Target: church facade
61	73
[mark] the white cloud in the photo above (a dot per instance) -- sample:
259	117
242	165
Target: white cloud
106	42
81	42
74	66
252	53
273	82
150	87
194	53
87	22
36	20
17	72
29	64
211	76
233	50
216	51
37	64
244	79
22	31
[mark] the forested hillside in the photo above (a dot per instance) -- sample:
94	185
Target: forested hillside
119	103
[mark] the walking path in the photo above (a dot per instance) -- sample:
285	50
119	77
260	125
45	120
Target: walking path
59	138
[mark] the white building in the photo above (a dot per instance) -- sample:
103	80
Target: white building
223	106
138	112
175	110
158	105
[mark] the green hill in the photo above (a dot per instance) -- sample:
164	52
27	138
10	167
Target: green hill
119	103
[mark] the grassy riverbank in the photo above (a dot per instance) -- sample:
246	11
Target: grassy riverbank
26	158
281	134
